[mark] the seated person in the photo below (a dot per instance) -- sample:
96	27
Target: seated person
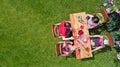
98	42
67	48
65	30
93	21
117	48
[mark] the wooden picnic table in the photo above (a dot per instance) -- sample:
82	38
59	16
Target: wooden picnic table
79	22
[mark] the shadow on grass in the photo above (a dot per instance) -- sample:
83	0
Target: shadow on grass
71	56
95	53
103	50
117	62
100	51
87	59
98	30
74	56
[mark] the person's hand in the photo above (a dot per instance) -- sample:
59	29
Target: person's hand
73	30
101	36
89	36
92	51
75	37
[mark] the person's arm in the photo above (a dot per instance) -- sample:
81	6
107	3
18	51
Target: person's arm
68	54
70	38
90	27
98	48
88	18
97	36
90	15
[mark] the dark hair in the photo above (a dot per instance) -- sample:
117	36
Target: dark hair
95	19
66	48
68	33
88	17
67	25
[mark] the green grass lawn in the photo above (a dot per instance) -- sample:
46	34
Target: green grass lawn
26	39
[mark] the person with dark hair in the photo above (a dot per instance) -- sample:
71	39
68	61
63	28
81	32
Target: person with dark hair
93	21
65	30
98	42
68	33
67	25
68	48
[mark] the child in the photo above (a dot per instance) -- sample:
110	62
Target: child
92	21
65	30
98	42
68	48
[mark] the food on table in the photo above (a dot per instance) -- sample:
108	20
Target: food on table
83	49
82	27
80	32
88	54
79	50
87	49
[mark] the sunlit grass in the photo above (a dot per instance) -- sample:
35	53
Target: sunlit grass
26	38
